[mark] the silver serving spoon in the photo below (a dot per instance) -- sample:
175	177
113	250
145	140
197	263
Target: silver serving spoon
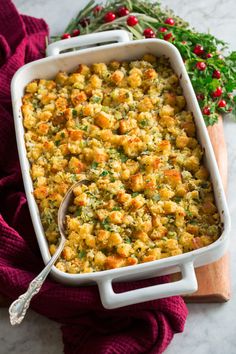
18	308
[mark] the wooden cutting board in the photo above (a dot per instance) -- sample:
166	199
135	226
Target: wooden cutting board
213	279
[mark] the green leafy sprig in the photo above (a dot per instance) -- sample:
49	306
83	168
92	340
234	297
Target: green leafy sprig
213	83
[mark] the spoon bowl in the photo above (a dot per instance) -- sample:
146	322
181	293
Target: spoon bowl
19	307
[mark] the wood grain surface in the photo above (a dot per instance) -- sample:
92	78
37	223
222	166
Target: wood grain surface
213	279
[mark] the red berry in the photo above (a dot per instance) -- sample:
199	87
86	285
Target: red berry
206	111
216	74
132	21
200	96
162	29
209	55
97	9
170	21
184	42
167	36
221	104
109	17
198	49
122	11
218	92
75	32
65	36
149	33
201	66
84	22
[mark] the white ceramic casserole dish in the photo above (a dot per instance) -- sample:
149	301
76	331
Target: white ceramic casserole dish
47	68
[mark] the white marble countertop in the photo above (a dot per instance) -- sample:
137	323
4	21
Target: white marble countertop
210	328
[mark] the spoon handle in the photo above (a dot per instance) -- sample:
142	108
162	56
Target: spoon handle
18	308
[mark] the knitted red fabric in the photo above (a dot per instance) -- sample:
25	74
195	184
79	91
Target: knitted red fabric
87	326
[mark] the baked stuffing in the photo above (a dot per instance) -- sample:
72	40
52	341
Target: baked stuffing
123	126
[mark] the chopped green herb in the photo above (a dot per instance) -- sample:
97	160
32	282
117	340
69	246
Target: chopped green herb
156	198
57	142
127	240
74	176
104	173
143	123
193	222
74	113
85	128
133	195
94	165
63	135
106	224
78	211
171	234
171	218
96	99
177	199
35	105
116	208
123	157
112	179
82	254
189	214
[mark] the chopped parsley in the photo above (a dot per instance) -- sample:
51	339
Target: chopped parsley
177	199
94	165
78	211
156	198
104	173
106	224
133	195
189	214
143	123
96	99
193	222
123	157
74	113
82	254
57	142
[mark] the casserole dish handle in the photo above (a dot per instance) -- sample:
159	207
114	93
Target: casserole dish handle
87	40
186	285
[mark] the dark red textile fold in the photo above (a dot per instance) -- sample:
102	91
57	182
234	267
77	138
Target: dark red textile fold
87	326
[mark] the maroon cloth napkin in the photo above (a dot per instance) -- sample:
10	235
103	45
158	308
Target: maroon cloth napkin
87	327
